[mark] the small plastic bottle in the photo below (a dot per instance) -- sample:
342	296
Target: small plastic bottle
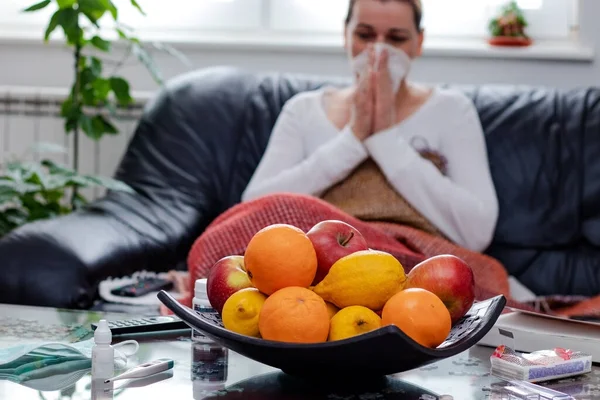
103	354
201	305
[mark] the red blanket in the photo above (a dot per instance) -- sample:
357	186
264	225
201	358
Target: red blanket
230	232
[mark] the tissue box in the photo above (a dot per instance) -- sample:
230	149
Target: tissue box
539	366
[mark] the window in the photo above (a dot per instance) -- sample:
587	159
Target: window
469	18
456	18
172	18
193	15
190	20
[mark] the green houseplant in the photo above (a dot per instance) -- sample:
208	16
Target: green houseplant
32	191
508	28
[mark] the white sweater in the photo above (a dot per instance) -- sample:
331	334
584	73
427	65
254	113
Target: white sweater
307	154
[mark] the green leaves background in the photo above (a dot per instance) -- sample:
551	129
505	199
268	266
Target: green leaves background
80	22
32	191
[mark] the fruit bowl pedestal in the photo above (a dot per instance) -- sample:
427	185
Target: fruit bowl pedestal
381	352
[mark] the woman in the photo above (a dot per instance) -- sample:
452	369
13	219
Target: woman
405	164
322	136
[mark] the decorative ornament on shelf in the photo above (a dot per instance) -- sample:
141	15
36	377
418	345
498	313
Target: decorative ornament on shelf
508	28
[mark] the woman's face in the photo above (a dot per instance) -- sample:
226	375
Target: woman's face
390	22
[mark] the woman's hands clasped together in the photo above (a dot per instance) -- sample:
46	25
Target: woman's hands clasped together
373	103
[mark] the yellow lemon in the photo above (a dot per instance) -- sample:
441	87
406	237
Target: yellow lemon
367	278
331	309
241	311
352	321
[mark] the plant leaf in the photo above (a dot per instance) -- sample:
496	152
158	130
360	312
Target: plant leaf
67	19
66	3
70	113
8	187
93	10
57	169
37	210
121	89
103	125
96	126
122	34
100	43
52	25
24	173
79	200
88	127
96	66
46	147
113	184
136	5
37	6
88	75
66	107
7	192
53	196
146	59
11	218
15	216
101	88
88	94
109	5
173	52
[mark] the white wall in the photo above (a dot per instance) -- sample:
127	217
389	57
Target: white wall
33	64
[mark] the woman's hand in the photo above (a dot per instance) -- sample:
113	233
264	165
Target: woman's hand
363	104
384	113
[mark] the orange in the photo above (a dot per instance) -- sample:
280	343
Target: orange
420	314
279	256
295	315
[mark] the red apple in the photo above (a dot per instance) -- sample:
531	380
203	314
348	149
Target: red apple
226	277
450	278
332	240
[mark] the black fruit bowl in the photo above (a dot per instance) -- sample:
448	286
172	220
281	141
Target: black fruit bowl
384	351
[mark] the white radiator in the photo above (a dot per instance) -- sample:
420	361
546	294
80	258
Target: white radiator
30	115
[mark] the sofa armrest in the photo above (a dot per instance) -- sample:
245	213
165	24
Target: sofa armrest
60	262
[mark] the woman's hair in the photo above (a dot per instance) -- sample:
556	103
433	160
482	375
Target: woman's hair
415	4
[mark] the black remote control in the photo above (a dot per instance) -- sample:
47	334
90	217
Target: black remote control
145	325
143	286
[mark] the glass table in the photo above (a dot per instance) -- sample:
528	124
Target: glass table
209	371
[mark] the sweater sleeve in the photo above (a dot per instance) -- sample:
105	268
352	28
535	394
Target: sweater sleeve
286	166
462	204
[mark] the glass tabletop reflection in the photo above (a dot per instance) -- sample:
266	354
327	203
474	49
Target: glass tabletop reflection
205	370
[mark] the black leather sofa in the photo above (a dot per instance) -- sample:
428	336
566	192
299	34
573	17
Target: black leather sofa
200	139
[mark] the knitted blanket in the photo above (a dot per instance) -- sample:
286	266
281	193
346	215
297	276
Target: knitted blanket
229	234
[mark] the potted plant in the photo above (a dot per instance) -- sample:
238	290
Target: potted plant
31	191
508	28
